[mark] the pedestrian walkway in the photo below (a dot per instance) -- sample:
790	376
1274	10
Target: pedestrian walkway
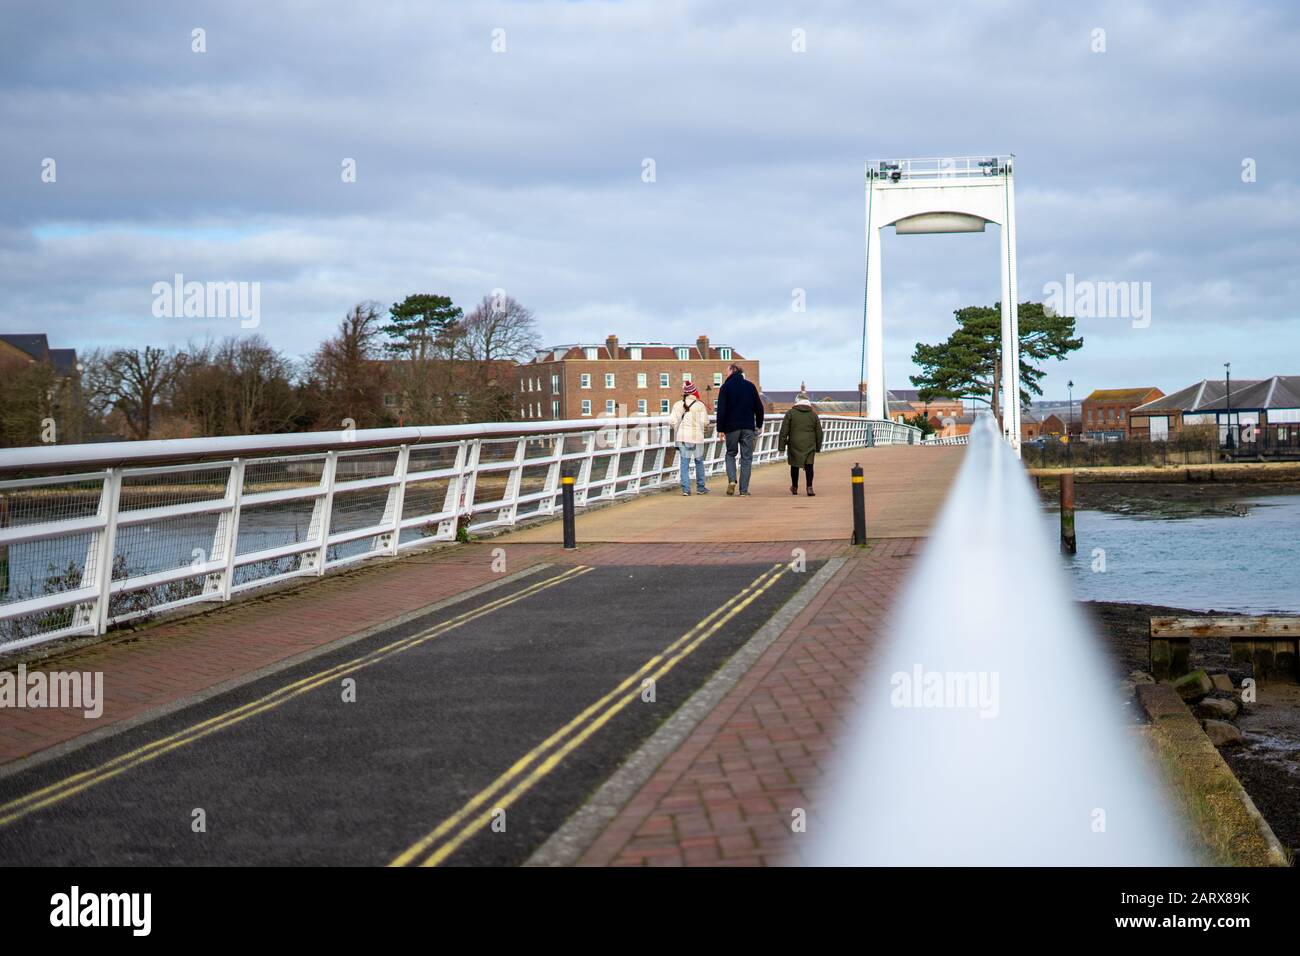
904	487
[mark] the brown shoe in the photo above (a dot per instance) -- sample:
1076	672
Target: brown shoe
811	493
794	489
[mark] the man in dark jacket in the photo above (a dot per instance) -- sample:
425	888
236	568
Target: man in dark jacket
740	418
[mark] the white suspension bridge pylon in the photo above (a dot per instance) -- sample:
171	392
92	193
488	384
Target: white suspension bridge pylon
954	194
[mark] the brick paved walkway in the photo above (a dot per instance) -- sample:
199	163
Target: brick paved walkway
905	485
726	796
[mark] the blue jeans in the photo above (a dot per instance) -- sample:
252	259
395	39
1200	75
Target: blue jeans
741	441
685	452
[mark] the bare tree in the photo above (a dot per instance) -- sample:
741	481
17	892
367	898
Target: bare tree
346	377
238	386
499	329
136	380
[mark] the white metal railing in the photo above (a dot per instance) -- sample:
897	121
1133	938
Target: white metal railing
93	535
982	702
950	440
938	168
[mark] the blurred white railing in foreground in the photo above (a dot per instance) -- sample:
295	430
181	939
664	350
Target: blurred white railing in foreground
989	730
100	534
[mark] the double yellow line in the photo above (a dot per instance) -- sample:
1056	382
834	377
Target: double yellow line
76	783
433	848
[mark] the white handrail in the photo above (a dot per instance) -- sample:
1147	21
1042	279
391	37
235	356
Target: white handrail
93	535
988	731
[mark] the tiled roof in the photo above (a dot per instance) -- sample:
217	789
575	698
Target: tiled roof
1280	391
1120	394
35	345
1194	397
64	360
649	351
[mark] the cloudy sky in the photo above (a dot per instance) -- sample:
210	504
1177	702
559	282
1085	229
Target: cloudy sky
521	169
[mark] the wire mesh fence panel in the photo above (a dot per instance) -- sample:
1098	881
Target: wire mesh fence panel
432	458
534	479
169	487
264	527
426	499
163	544
151	599
358	466
261	572
283	474
53	499
497	451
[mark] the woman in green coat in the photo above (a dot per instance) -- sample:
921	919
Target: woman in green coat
801	439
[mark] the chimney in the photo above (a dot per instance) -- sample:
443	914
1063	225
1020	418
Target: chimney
702	343
611	343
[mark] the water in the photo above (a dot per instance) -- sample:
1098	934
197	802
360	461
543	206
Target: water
1031	769
1221	563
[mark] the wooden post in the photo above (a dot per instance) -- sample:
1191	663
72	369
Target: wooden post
1068	545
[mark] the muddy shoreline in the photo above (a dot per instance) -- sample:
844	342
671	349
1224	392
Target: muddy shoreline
1169	500
1268	766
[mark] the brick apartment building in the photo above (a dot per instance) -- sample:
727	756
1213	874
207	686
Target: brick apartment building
1106	412
639	378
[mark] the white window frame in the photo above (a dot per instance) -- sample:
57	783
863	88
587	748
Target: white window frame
610	407
683	353
609	379
717	378
586	407
584	380
642	406
724	354
641	380
591	353
663	406
555	384
665	379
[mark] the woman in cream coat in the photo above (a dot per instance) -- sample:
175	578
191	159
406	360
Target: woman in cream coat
690	420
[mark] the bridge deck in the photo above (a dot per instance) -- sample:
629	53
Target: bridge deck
722	791
904	488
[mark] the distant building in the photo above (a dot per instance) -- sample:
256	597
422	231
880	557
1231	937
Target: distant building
639	378
1272	404
1034	424
35	347
953	426
1105	413
902	403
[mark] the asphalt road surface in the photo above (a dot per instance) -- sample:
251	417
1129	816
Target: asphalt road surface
474	732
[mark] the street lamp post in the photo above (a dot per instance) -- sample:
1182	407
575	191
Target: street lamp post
1227	401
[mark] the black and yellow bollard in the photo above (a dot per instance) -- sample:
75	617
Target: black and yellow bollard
566	498
1068	545
859	507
